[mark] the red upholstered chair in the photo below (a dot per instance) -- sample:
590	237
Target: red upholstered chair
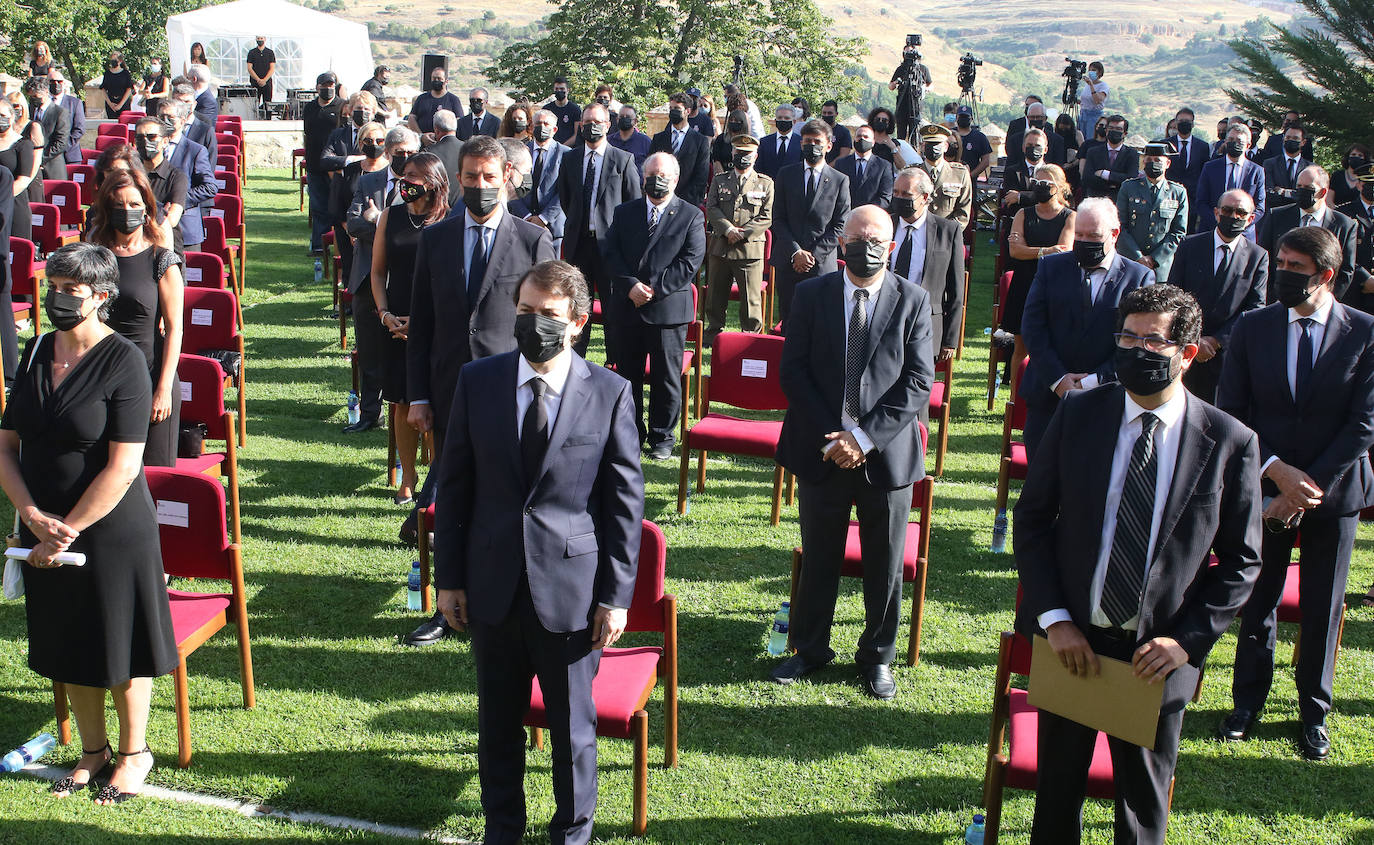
297	155
130	117
228	183
1291	611
202	401
227	162
999	306
84	176
47	233
217	243
766	290
24	273
89	156
1013	463
229	208
627	676
744	373
119	130
104	142
66	195
209	325
206	270
915	557
230	143
968	274
941	396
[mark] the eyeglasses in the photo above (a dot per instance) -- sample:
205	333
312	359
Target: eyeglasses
153	137
1233	211
1274	525
1154	342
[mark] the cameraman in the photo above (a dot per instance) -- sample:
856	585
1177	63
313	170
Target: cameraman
975	150
1092	98
908	101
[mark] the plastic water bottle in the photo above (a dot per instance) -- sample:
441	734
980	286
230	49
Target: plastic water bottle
355	412
28	752
973	834
319	271
777	634
413	587
999	533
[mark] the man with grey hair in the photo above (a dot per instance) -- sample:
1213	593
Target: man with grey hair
207	106
517	188
1231	169
63	96
929	250
447	147
478	120
1070	318
783	147
1311	207
851	437
654	247
195	129
192	159
547	156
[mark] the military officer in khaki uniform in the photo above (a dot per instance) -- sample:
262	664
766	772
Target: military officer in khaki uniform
953	196
1153	212
739	209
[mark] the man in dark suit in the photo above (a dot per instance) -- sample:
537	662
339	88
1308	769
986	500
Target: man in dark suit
856	370
1132	487
929	251
1281	171
193	160
1228	276
1018	125
783	147
870	177
467	270
1310	208
341	148
1188	155
56	123
653	250
1016	180
593	179
478	121
448	148
810	205
1360	294
1228	171
73	105
1071	313
1301	374
546	160
194	129
1107	166
1274	146
536	556
375	192
1054	152
691	149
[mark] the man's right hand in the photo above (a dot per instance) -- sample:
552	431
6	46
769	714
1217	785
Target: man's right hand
420	417
1295	485
1072	647
1071	381
454	605
370	213
803	261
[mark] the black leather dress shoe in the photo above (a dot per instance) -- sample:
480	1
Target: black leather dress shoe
879	683
361	425
661	451
1314	742
1237	726
431	631
792	669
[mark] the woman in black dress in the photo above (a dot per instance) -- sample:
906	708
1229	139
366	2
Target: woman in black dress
118	85
16	156
372	145
1037	230
79	411
32	131
148	310
424	188
156	86
1345	187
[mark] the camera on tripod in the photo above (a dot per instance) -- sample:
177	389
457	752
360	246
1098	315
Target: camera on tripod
968	71
1076	69
738	74
911	51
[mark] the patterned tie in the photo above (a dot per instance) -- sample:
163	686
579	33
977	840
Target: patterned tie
1111	157
855	353
1304	369
677	140
477	265
534	433
653	220
1131	543
1308	220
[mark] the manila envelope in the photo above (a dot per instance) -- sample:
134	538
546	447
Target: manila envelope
1116	702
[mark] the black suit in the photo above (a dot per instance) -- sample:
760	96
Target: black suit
693	160
1278	223
1187	174
875	188
1355	295
942	277
587	219
536	556
341	144
769	163
1276	175
1055	151
468	126
813	226
894	388
1125	166
1212	505
1223	300
446	148
1326	432
666	262
57	129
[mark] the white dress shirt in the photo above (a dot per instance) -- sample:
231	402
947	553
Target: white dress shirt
1096	278
1315	218
662	205
914	271
791	138
1317	331
1166	437
846	421
471	245
1218	245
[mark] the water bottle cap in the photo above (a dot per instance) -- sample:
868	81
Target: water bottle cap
977	818
787	604
414	564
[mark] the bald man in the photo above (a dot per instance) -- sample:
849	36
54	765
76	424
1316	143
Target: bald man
852	438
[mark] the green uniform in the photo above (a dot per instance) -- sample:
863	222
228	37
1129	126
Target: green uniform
953	194
1154	220
744	203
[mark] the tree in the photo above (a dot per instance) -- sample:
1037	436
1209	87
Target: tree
649	49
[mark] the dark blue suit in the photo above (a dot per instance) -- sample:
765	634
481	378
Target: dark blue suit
1223	300
543	198
769	163
205	136
489	124
536	556
1067	332
1326	431
207	108
876	186
191	159
1212	184
814	227
1187	176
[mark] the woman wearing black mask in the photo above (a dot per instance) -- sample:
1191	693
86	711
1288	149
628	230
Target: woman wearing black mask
17	156
722	147
894	151
1344	186
117	84
371	143
424	188
148	308
517	122
1045	228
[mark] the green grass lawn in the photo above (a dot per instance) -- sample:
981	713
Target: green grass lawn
350	723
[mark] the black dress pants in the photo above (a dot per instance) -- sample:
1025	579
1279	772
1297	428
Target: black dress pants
371	337
587	258
662	346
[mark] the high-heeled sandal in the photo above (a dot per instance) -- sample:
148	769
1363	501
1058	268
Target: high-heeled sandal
111	794
1368	600
68	785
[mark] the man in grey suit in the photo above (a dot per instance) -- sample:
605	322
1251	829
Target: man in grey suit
193	160
811	203
375	191
478	121
56	123
929	251
546	155
61	90
446	146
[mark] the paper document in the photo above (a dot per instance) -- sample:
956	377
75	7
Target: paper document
1116	702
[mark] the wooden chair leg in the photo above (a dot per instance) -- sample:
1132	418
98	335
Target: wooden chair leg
791	489
640	729
993	819
243	398
537	738
777	494
701	471
918	606
250	697
391	444
183	706
422	542
963	320
683	468
426	448
64	719
1003	483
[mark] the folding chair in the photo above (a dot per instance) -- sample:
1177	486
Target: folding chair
24	282
206	270
84	176
89	156
202	401
228	183
229	208
999	308
47	234
297	156
1014	462
118	130
104	142
216	243
66	195
210	329
130	117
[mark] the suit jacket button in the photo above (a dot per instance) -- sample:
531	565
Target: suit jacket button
472	331
529	510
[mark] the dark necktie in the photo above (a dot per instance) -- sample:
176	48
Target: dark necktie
477	265
588	184
1183	152
653	220
391	194
1304	369
1231	176
855	353
903	265
1131	542
1224	264
538	168
782	148
677	141
810	185
1111	157
534	433
1292	172
858	169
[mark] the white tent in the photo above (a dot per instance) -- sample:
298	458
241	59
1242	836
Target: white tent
307	43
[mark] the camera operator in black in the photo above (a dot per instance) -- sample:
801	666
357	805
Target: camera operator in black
910	80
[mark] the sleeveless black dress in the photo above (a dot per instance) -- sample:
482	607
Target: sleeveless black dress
1039	232
100	624
18	160
402	244
136	313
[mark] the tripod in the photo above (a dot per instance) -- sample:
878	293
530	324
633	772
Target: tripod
974	102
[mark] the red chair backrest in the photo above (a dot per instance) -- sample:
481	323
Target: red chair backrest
23	279
1003	291
45	223
205	270
228	182
229	163
646	609
229	208
214	236
119	130
66	195
209	321
1016	404
104	142
84	176
130	117
202	395
228	140
231	123
88	156
191	524
744	371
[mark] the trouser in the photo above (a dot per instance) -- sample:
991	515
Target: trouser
9	337
787	280
507	655
317	187
747	273
823	513
1038	416
662	346
587	258
344	244
1087	120
1325	543
1142	776
264	92
371	337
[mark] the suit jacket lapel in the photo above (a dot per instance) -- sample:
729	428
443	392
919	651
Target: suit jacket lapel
500	248
930	274
834	294
1337	327
505	413
573	399
605	173
1194	449
883	310
458	243
1098	448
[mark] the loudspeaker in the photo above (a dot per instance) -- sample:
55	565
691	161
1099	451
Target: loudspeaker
427	66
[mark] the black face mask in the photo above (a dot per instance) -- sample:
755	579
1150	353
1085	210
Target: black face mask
560	96
1043	193
526	185
882	126
360	118
476	106
372	149
676	116
626	123
735	127
1292	287
656	186
1089	253
828	118
1100	132
520	125
1292	146
1185	127
325	92
541	132
604	101
539	337
1146	373
904	207
1230	226
1154	169
436	85
261	44
1034	154
931	151
743	161
963	121
1035	122
147	150
1115	136
593	132
1305	197
784	126
863	145
481	201
813	153
55	88
410	192
1235	149
1355	162
865	260
63	310
127	220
